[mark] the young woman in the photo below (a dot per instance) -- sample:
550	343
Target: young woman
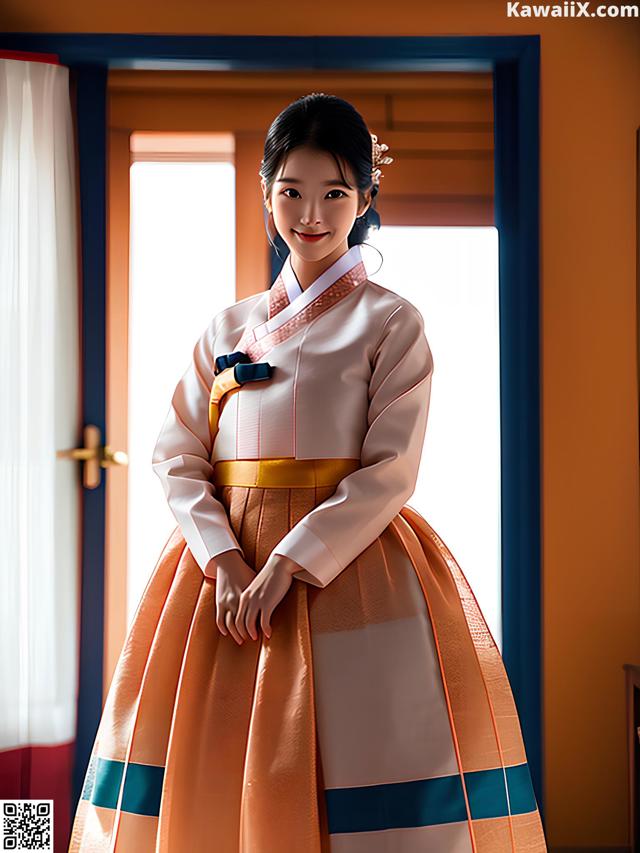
308	669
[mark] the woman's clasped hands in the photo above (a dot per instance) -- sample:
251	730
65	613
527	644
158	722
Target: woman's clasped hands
243	596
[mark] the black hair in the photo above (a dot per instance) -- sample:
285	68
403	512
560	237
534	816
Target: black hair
329	124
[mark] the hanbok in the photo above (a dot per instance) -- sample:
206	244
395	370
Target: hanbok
378	717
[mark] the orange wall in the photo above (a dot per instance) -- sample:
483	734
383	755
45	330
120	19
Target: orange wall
590	105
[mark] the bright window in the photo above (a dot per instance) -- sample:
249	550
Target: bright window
182	274
451	275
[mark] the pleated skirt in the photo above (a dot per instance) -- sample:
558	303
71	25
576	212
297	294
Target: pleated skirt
377	718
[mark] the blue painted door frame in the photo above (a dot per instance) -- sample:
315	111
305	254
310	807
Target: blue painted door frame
515	63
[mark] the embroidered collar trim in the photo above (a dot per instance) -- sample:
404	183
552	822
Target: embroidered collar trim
299	298
284	318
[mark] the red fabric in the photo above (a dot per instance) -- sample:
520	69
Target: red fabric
41	773
25	56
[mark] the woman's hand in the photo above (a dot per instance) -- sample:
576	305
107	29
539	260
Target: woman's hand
263	595
233	575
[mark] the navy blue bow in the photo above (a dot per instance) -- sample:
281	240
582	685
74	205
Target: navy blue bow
249	372
228	360
245	370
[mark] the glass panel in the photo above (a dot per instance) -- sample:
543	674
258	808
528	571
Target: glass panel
451	275
182	274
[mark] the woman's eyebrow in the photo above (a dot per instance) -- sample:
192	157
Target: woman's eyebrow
337	182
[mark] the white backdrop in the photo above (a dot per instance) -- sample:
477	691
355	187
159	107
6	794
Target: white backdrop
451	275
182	274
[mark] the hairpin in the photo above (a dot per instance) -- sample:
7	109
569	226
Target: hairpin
377	160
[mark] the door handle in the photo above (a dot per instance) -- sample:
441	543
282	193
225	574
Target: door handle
94	455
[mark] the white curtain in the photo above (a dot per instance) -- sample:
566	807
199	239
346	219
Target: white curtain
39	407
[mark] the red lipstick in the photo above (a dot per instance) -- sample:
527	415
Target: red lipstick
310	238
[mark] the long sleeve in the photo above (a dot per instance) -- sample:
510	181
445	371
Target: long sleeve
329	537
181	459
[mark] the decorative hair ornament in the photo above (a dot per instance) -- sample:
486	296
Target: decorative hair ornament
377	158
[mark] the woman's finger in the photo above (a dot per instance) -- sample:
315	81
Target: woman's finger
240	617
230	623
220	619
265	621
250	619
257	616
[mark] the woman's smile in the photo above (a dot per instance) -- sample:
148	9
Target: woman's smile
310	238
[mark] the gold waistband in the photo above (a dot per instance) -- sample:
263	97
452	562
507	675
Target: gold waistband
282	473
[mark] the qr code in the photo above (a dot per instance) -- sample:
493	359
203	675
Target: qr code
26	825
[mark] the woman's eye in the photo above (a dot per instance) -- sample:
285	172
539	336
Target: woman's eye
293	190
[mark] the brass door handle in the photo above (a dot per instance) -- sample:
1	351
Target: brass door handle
94	455
113	457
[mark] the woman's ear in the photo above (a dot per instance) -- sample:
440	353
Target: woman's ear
364	205
263	184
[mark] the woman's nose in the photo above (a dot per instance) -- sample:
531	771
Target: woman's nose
310	214
308	220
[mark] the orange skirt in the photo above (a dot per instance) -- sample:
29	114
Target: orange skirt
378	718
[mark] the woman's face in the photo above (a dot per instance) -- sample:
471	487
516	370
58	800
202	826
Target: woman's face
309	197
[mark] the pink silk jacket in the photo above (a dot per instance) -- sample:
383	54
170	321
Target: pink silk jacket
351	379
